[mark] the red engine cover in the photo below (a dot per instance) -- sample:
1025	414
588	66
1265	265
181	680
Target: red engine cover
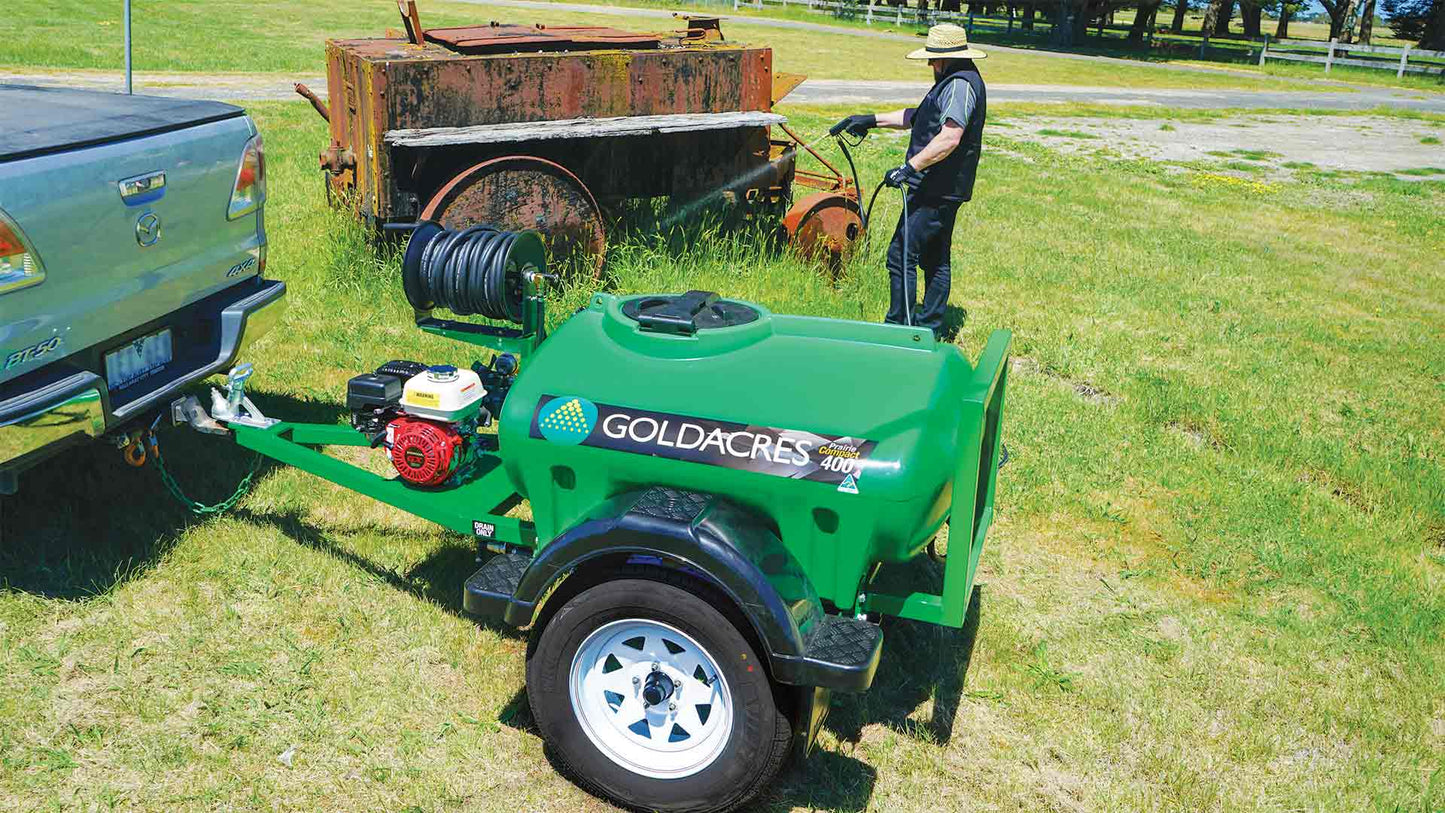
425	453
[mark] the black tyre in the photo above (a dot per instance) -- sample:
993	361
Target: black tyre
652	698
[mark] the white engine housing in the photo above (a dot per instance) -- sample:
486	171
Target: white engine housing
442	393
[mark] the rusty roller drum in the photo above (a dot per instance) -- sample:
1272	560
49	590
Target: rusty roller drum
825	226
522	192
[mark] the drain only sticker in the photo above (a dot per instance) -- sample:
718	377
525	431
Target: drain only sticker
792	453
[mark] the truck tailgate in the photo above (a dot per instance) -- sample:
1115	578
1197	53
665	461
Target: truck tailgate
113	264
36	120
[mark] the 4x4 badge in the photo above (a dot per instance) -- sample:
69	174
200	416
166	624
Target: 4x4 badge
148	229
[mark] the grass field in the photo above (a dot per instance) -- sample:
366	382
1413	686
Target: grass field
1216	580
288	36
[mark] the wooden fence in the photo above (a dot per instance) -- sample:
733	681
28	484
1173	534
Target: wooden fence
1333	53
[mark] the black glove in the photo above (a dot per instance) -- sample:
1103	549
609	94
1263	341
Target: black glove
905	175
855	125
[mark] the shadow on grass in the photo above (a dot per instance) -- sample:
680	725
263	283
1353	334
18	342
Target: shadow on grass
920	661
438	579
84	521
676	228
824	781
953	319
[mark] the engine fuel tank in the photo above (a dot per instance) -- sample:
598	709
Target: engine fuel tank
849	436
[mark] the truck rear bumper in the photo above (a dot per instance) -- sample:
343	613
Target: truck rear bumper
73	403
242	323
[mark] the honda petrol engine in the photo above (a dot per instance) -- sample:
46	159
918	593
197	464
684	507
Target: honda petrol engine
428	417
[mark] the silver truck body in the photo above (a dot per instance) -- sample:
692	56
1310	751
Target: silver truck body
123	203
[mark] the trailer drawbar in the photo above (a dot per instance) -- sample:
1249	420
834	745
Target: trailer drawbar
714	491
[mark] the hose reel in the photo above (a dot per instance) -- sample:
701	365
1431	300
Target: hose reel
479	270
482	271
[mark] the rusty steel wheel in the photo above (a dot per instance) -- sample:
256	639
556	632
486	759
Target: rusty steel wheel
518	192
824	226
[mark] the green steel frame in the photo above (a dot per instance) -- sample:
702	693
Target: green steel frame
520	343
481	498
457	509
971	509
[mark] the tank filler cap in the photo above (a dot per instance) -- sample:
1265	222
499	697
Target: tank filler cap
686	314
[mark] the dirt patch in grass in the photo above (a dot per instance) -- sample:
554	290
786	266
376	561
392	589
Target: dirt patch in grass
1089	392
1435	541
1271	144
1341	490
1195	435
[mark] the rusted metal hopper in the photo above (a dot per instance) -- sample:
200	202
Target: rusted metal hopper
519	192
542	127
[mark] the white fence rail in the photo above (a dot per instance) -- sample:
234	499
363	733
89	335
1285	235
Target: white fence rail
894	15
1334	53
1328	54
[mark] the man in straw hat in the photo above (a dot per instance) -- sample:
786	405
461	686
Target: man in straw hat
943	150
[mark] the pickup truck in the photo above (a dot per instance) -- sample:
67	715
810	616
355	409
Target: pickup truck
132	261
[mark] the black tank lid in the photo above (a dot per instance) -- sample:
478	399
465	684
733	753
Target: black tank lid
686	314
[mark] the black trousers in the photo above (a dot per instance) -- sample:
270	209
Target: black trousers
930	239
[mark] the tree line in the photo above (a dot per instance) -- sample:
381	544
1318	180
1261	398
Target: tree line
1351	21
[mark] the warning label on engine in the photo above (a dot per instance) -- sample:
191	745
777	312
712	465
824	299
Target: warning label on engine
791	453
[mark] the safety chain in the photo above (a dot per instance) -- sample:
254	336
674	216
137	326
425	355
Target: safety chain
200	509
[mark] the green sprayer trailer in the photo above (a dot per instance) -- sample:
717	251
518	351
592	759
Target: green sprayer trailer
713	490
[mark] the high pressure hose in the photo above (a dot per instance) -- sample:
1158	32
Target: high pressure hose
469	271
907	294
867	214
466	271
843	145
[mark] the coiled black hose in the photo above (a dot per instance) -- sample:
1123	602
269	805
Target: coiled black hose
476	270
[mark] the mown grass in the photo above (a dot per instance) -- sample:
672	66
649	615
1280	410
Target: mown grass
288	36
1216	580
1066	133
1233	53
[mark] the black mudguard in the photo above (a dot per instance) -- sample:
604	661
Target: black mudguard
725	544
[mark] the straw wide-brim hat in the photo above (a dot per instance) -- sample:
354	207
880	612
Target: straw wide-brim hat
947	41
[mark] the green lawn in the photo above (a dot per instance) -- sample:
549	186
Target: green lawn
1226	53
288	36
1216	579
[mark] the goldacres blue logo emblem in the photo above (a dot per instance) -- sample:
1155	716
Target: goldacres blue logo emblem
567	420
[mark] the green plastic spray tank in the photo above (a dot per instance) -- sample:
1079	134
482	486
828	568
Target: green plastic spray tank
851	437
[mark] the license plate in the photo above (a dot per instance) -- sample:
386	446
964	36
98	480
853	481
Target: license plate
140	358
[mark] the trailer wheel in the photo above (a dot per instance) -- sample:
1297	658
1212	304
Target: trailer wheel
521	192
651	697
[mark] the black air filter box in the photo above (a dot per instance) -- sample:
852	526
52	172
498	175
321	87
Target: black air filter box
402	369
373	391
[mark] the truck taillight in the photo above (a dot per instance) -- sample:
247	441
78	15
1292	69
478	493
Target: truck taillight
250	190
19	267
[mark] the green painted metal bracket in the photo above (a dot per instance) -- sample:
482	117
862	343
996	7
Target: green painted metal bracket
459	508
971	511
519	342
